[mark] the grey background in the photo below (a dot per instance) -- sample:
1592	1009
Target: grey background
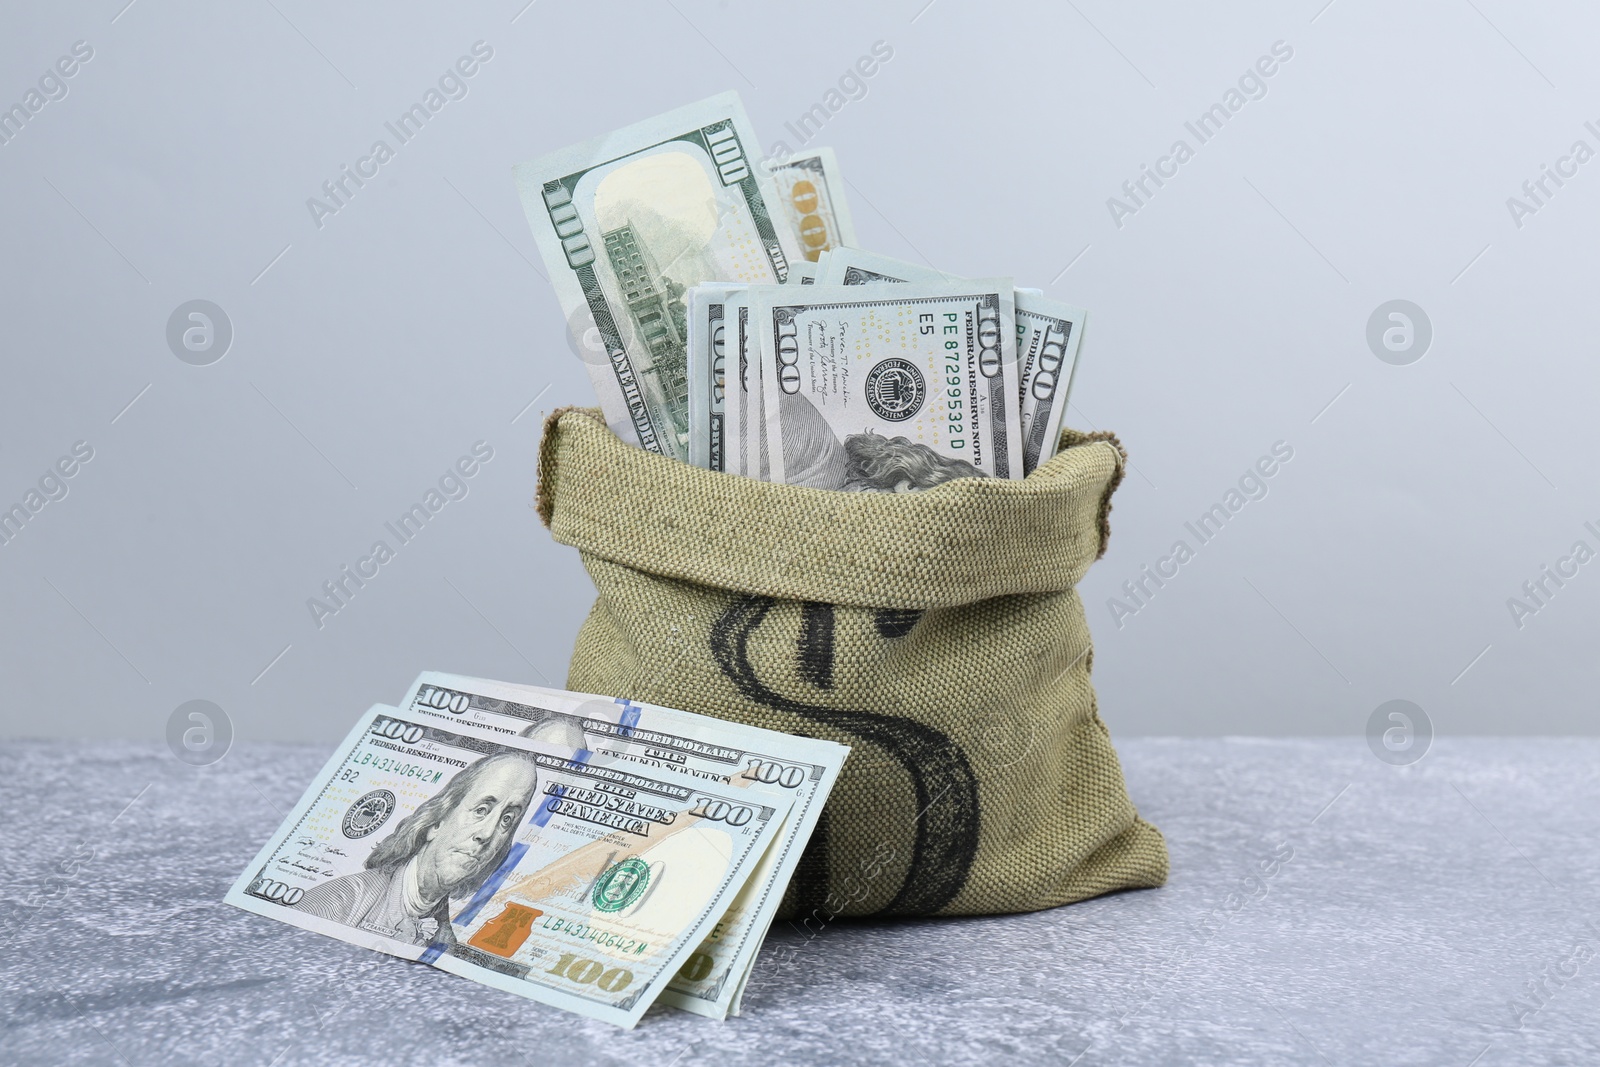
1229	313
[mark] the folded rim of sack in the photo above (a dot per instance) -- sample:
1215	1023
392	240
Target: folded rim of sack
961	542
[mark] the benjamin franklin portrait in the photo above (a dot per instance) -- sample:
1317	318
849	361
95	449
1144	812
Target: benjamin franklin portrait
863	462
446	848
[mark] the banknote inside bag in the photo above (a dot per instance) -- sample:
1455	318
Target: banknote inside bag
939	633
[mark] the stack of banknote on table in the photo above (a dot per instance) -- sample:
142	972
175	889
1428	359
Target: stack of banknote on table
728	320
595	854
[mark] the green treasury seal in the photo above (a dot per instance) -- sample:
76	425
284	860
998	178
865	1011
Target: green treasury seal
621	884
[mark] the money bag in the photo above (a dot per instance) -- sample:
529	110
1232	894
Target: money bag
938	633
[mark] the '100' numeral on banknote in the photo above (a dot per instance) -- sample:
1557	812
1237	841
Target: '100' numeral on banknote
651	736
529	864
627	223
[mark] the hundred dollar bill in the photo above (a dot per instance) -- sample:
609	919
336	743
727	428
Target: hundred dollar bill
627	223
734	395
811	190
760	444
727	753
562	875
707	376
733	430
889	390
1048	336
744	426
733	427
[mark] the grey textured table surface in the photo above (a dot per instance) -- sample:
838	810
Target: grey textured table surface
1442	913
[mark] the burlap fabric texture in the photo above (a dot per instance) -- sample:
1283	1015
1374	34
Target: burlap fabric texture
937	633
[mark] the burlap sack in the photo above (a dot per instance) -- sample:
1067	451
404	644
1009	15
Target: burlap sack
938	633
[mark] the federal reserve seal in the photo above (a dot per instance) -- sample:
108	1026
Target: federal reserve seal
895	390
621	885
368	813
